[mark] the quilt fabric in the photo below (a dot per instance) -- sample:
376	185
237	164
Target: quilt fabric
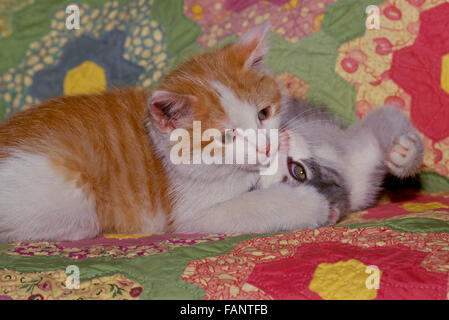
324	51
397	250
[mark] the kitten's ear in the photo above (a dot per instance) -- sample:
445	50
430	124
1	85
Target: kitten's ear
255	41
171	110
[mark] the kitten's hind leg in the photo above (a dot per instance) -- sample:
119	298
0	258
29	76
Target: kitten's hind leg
399	140
38	203
384	141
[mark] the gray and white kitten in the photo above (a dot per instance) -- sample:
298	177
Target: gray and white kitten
324	171
348	165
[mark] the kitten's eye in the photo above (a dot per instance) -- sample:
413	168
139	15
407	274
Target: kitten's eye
265	113
297	171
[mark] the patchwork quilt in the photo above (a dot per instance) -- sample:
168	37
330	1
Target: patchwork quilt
350	55
397	250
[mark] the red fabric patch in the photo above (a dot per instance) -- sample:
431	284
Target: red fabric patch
395	208
403	277
417	69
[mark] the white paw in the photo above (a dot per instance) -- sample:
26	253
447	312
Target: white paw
403	158
334	216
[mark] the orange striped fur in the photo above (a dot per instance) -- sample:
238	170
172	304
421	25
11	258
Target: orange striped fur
98	141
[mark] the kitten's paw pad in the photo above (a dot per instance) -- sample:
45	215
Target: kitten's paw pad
403	155
334	216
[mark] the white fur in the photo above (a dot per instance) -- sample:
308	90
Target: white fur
364	157
194	195
299	149
259	211
243	114
326	151
153	221
37	203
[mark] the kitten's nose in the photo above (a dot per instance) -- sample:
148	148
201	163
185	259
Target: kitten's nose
265	149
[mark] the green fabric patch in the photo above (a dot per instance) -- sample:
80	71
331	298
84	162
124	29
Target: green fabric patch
313	58
409	225
345	20
30	23
180	31
433	182
2	110
159	274
166	268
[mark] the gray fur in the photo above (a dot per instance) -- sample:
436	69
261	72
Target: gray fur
351	177
330	183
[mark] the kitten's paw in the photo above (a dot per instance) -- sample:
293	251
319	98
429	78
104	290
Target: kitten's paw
334	216
405	155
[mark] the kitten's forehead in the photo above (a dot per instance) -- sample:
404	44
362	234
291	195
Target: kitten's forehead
298	147
240	112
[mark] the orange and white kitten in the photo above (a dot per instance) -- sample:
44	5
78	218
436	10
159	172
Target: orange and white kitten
78	166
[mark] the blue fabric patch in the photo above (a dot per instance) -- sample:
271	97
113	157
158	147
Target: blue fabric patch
107	52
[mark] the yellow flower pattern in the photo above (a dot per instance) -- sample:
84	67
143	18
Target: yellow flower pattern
344	280
86	78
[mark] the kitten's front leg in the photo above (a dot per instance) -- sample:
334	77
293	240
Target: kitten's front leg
280	207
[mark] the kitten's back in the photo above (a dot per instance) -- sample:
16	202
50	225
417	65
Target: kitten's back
97	145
